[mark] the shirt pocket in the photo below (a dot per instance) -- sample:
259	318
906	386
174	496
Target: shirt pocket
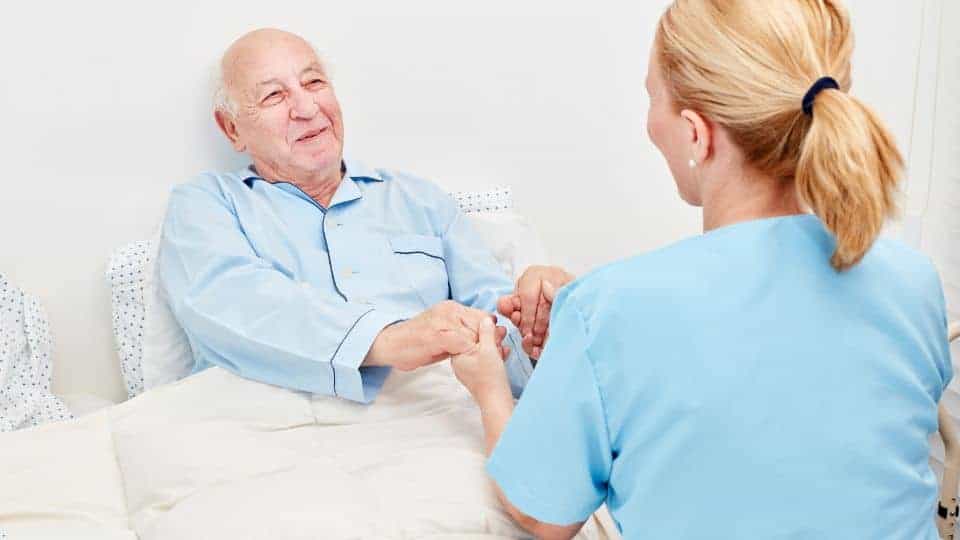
420	259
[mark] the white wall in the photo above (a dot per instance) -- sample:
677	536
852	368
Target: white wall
936	201
933	212
106	107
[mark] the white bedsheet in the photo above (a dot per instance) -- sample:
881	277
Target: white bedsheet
216	456
84	404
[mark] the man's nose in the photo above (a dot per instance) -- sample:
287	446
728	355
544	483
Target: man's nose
302	106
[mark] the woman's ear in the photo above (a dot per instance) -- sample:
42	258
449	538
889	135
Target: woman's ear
229	128
699	136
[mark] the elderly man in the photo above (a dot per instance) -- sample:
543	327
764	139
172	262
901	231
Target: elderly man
318	274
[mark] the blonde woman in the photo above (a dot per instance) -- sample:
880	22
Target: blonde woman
777	376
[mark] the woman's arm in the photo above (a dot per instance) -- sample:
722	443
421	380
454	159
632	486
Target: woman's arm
481	371
495	409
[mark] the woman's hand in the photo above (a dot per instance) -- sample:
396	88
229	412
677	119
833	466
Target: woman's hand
481	368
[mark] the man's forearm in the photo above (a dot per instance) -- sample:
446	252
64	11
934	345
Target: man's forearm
380	349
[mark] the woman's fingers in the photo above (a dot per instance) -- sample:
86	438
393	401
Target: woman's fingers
488	336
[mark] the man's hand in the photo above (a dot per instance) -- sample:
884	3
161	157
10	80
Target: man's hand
529	306
445	329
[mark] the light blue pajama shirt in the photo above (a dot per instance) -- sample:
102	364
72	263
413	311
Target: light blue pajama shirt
270	285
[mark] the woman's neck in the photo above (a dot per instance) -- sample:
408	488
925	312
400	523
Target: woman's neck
746	197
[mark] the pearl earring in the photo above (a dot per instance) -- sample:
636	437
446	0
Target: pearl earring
693	164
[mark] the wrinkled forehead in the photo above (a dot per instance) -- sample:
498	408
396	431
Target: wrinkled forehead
277	58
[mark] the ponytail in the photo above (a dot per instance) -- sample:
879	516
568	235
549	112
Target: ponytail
847	173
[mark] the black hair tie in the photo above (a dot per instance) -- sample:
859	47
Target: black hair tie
824	83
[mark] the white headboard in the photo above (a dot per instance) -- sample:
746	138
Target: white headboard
102	115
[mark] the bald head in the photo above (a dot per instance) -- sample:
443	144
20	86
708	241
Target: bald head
251	51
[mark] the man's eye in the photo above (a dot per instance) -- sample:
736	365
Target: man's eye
272	97
316	83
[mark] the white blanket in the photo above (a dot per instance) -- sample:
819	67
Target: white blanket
216	456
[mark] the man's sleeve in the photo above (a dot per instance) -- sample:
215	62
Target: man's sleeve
477	281
554	458
249	317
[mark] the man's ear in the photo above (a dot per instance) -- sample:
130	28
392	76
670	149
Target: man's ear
229	128
700	133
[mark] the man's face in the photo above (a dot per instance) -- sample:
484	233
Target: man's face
288	118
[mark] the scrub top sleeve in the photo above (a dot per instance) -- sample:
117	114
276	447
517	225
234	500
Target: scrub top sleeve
553	460
945	364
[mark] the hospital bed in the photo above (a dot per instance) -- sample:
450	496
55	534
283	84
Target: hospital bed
217	456
277	463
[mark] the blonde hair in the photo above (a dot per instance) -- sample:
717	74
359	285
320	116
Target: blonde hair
747	64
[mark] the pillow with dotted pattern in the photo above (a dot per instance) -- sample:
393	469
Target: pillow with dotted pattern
154	350
25	362
126	274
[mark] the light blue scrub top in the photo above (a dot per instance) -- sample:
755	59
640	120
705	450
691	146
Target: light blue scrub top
735	386
272	286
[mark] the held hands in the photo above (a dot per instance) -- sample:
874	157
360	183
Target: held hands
450	329
480	369
529	306
444	330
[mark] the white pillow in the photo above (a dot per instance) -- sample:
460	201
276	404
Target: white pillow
512	239
154	349
167	356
